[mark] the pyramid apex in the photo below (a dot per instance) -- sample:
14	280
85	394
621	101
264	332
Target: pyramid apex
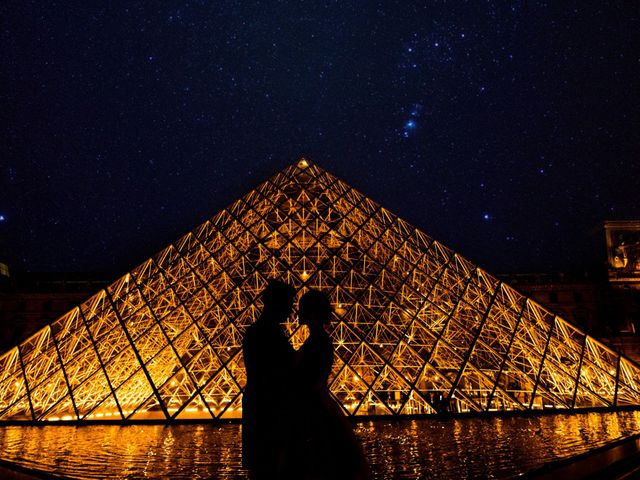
303	163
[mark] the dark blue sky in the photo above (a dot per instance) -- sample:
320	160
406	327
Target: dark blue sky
507	130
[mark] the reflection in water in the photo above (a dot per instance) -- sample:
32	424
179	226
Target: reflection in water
424	448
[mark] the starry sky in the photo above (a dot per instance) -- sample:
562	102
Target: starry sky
508	130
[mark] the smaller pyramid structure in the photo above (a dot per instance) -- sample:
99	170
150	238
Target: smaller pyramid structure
417	328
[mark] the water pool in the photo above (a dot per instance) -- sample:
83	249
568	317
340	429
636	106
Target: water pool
397	449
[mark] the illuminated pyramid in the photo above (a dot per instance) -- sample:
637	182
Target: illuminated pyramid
417	329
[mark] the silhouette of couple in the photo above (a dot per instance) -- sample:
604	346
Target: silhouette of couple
291	426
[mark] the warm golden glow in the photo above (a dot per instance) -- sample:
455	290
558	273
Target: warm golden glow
417	329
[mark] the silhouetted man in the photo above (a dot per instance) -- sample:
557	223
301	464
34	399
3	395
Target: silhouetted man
268	359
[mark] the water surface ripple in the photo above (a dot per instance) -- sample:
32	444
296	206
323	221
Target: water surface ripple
397	449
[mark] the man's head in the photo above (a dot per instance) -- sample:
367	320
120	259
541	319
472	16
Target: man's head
277	300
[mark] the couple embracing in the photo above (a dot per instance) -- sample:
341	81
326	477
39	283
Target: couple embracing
291	426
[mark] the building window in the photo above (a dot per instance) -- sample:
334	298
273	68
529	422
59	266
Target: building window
577	297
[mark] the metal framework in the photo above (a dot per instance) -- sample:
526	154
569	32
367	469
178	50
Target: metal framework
417	329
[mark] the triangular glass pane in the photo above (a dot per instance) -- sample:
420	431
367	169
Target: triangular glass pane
18	410
9	365
625	395
212	322
220	392
148	410
62	411
371	405
131	394
407	362
601	355
434	386
176	322
543	401
12	389
203	364
41	361
505	401
585	398
48	393
345	341
177	391
366	364
234	410
416	405
349	389
227	343
382	340
120	365
196	409
474	386
162	366
92	392
597	380
392	389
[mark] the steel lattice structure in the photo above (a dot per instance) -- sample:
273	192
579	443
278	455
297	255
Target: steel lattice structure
417	329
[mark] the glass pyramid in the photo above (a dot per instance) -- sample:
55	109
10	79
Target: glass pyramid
417	329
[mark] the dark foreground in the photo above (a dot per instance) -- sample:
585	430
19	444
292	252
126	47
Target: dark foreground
398	449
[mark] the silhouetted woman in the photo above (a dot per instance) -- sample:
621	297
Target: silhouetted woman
324	445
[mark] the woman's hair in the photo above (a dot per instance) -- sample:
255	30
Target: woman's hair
318	302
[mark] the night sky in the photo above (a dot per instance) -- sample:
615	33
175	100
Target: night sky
507	130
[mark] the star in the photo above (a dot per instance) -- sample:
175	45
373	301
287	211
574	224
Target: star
409	127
